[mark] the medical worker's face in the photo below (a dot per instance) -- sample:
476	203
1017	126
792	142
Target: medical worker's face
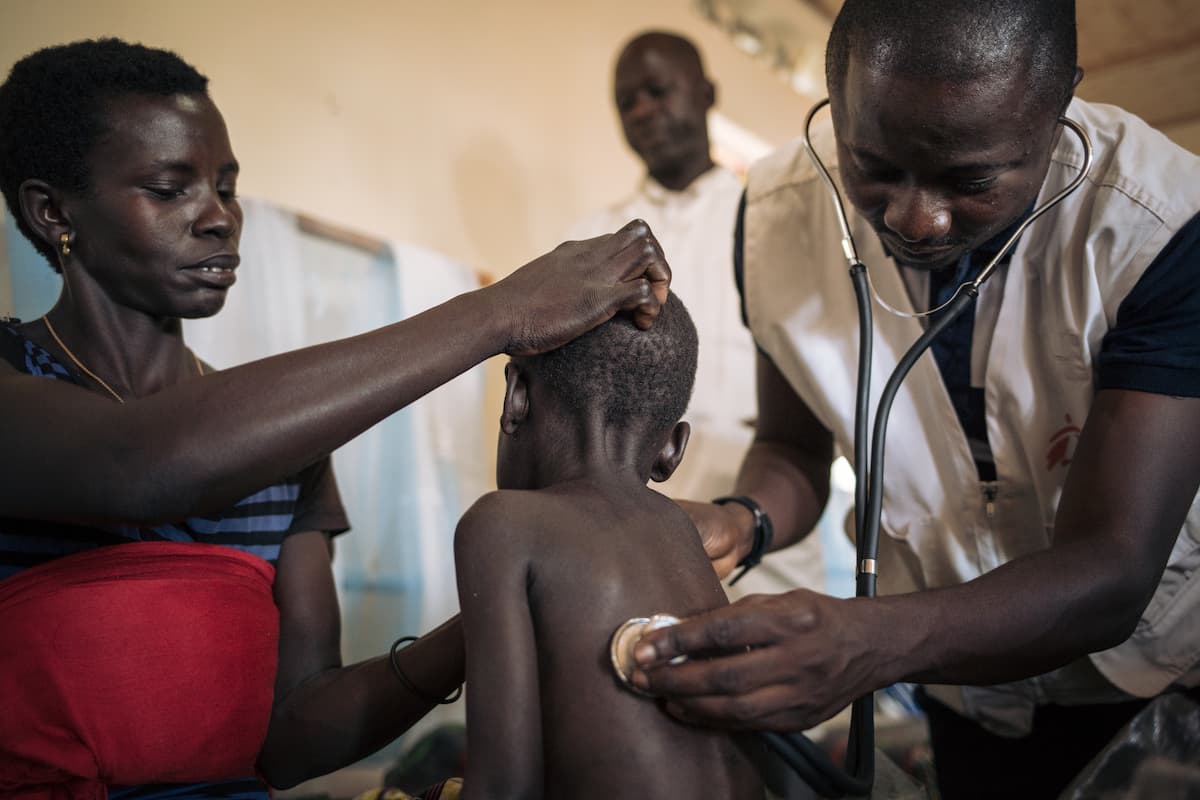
938	167
663	101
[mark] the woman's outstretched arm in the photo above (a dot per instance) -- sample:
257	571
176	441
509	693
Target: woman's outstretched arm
199	446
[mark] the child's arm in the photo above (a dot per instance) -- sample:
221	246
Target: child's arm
504	729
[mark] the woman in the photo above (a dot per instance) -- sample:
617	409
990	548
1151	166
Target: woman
153	661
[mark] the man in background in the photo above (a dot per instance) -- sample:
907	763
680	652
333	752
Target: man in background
663	97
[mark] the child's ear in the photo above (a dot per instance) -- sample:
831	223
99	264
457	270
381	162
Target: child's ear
672	452
516	399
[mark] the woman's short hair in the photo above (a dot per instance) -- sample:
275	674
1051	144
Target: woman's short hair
52	109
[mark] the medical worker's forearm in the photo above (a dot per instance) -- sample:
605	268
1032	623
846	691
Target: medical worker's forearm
1027	617
790	485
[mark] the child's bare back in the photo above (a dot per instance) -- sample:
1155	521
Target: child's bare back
572	546
576	560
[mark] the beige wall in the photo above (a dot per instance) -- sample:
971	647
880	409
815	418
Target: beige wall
479	128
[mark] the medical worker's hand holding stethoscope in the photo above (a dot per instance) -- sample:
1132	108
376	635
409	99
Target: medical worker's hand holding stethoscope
784	662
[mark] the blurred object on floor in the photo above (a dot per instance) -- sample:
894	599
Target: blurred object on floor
1159	778
439	754
343	784
904	759
449	789
1153	757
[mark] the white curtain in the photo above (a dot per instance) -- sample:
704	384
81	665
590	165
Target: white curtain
447	434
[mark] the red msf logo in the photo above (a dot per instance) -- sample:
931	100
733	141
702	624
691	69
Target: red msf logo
1062	445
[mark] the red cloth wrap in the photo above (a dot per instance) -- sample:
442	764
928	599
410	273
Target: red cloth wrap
137	663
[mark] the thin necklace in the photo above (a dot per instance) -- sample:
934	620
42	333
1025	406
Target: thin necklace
92	375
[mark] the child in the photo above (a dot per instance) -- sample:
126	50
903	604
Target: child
572	545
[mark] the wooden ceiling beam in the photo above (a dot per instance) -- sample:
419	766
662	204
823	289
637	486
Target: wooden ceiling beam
1130	57
1185	134
1159	89
1112	32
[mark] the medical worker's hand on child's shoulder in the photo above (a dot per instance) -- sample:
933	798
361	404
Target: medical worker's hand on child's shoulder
726	531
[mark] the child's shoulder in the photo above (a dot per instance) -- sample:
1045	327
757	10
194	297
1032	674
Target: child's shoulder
497	507
504	517
546	518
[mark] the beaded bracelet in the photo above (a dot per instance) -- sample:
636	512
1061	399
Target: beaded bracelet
409	684
764	532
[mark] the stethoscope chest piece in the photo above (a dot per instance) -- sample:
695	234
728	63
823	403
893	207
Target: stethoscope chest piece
625	639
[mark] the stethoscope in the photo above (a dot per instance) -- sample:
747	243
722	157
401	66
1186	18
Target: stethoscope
808	760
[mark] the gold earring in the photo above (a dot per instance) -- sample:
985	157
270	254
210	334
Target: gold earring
64	240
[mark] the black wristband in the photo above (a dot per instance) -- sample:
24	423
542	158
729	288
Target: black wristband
764	532
409	684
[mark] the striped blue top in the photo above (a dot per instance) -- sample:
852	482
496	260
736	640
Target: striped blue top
257	524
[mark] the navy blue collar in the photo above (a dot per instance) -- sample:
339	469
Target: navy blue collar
988	249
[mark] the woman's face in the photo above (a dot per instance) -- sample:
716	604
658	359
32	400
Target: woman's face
158	226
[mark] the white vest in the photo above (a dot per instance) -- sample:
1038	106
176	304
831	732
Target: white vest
1058	298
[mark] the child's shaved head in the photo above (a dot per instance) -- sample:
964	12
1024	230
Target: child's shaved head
628	375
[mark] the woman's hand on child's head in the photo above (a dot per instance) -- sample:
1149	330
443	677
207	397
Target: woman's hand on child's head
578	285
